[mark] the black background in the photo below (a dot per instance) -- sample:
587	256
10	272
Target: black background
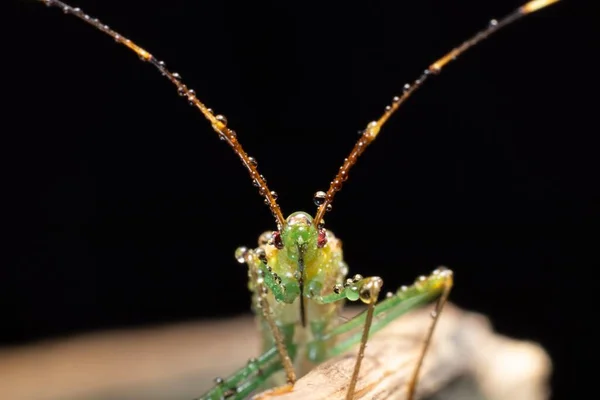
123	208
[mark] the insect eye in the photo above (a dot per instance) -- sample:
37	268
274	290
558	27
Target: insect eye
322	238
277	242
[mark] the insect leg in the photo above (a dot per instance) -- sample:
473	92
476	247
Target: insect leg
247	379
425	290
261	283
369	292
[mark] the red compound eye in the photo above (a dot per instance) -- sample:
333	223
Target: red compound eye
277	240
322	239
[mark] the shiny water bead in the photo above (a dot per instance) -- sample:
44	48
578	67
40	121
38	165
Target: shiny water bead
240	254
372	130
420	282
222	119
261	254
352	293
319	198
337	289
265	238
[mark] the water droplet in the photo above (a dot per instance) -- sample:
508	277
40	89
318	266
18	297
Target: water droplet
274	195
210	110
406	87
396	99
219	381
176	75
77	10
343	268
319	198
372	130
87	17
240	254
161	63
66	9
191	95
493	22
255	183
336	184
329	207
253	161
265	238
261	254
357	277
221	119
388	108
389	294
181	91
434	314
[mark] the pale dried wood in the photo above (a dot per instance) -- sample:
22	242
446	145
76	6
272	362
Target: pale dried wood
464	348
180	361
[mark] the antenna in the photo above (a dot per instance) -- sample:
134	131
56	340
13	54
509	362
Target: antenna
218	122
323	200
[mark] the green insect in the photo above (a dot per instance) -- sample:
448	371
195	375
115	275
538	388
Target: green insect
297	274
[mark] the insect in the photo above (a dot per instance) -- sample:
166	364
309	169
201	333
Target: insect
297	275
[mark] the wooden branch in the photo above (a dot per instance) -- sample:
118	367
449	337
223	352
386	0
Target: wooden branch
463	348
180	361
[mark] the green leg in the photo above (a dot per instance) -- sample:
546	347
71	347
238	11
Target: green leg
425	290
247	379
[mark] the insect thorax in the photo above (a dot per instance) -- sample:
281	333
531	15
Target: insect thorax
299	264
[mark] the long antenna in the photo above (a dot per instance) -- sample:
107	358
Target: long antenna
324	200
218	122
